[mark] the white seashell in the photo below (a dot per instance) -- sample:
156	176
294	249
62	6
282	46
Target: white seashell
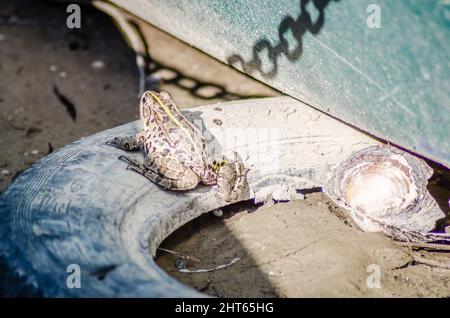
383	188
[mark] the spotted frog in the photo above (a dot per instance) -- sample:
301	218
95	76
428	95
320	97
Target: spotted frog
175	152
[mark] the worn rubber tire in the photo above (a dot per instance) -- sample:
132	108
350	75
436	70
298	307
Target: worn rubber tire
81	206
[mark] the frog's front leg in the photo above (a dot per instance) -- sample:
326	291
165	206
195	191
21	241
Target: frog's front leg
128	143
232	180
167	172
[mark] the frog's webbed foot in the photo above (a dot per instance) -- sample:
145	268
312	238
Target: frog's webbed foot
128	143
232	180
166	172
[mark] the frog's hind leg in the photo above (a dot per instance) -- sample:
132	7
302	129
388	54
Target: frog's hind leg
128	143
232	180
171	175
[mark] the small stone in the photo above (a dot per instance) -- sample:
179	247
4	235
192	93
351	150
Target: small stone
13	18
180	264
217	212
53	68
2	37
6	172
98	64
62	74
34	152
18	111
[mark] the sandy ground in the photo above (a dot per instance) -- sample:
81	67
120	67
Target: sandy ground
303	248
299	249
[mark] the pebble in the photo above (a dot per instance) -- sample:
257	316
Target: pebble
217	212
18	111
180	264
13	19
34	152
6	172
2	37
53	68
62	74
98	64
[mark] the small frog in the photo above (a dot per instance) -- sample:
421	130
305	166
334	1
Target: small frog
175	155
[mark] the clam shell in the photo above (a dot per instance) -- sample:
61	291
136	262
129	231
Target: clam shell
384	189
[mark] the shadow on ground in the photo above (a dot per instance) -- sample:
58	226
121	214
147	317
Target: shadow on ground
298	249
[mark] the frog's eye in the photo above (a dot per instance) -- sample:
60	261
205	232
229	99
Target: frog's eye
164	95
146	98
145	111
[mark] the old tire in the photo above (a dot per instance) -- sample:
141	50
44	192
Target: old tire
81	206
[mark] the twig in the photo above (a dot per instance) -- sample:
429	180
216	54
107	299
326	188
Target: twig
27	131
179	255
9	123
430	262
400	234
70	107
205	270
430	246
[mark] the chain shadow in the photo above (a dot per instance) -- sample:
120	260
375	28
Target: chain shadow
299	27
188	83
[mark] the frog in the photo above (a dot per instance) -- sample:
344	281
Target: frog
175	155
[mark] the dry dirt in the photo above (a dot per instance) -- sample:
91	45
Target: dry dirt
298	249
302	248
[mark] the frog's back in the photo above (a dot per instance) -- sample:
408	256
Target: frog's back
176	142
